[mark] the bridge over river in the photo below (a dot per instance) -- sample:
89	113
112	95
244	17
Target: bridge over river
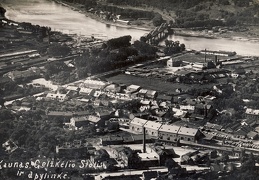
157	34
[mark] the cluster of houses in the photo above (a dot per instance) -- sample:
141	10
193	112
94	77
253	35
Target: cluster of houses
106	95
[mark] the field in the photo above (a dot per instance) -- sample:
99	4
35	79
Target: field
191	57
155	84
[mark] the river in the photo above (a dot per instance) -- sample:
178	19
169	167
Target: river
61	18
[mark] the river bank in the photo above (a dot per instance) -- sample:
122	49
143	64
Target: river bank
82	10
231	35
251	35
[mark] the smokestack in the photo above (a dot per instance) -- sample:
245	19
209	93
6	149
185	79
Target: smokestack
144	140
205	111
205	60
216	59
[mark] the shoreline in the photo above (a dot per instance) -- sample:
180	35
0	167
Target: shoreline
95	17
183	32
238	37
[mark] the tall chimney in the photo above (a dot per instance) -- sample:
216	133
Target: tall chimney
205	111
205	60
216	60
144	140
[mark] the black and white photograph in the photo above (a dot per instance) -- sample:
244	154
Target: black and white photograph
129	89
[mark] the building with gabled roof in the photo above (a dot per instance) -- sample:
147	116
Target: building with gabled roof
57	96
252	113
94	84
189	134
78	122
168	132
132	89
85	91
152	128
142	93
252	135
97	121
151	94
137	124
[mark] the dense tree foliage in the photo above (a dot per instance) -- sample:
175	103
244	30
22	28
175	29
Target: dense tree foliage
119	42
145	48
173	47
58	50
158	20
198	13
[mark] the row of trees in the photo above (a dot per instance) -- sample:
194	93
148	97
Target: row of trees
116	53
173	47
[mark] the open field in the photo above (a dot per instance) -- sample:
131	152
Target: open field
155	84
191	57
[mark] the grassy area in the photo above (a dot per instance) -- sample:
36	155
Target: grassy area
155	84
191	57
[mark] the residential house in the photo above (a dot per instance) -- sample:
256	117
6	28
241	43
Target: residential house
249	122
151	94
104	114
95	120
252	113
113	88
73	88
78	122
142	93
187	107
9	146
100	155
152	128
209	125
128	157
194	157
137	124
85	91
132	89
252	135
63	115
57	96
243	130
164	153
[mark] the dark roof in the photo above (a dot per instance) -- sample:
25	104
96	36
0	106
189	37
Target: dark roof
164	97
147	175
60	113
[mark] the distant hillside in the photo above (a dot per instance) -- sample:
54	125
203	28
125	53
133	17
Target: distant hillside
198	13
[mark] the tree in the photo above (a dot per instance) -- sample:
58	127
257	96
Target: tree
57	50
55	67
157	20
119	42
145	48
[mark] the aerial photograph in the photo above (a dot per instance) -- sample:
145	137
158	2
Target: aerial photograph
129	89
